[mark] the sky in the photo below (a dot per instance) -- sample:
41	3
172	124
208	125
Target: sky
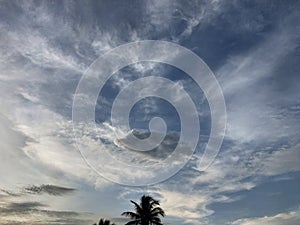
251	47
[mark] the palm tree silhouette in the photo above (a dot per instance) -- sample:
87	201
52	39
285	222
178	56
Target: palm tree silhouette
146	213
104	222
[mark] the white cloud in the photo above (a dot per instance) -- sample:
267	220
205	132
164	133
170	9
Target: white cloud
282	161
184	205
33	46
289	218
252	104
15	167
165	14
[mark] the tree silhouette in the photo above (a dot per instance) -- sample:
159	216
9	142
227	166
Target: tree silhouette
146	213
104	222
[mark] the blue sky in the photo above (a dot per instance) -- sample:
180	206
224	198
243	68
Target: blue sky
252	47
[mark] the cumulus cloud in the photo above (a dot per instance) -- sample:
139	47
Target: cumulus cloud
288	218
188	206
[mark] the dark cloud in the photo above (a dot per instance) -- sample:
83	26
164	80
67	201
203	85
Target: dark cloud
14	212
166	148
48	189
20	208
8	193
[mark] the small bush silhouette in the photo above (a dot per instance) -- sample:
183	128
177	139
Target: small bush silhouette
104	222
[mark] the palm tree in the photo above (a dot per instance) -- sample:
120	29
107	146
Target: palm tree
104	222
146	213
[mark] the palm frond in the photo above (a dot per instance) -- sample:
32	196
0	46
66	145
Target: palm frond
157	211
131	214
147	212
133	222
137	206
